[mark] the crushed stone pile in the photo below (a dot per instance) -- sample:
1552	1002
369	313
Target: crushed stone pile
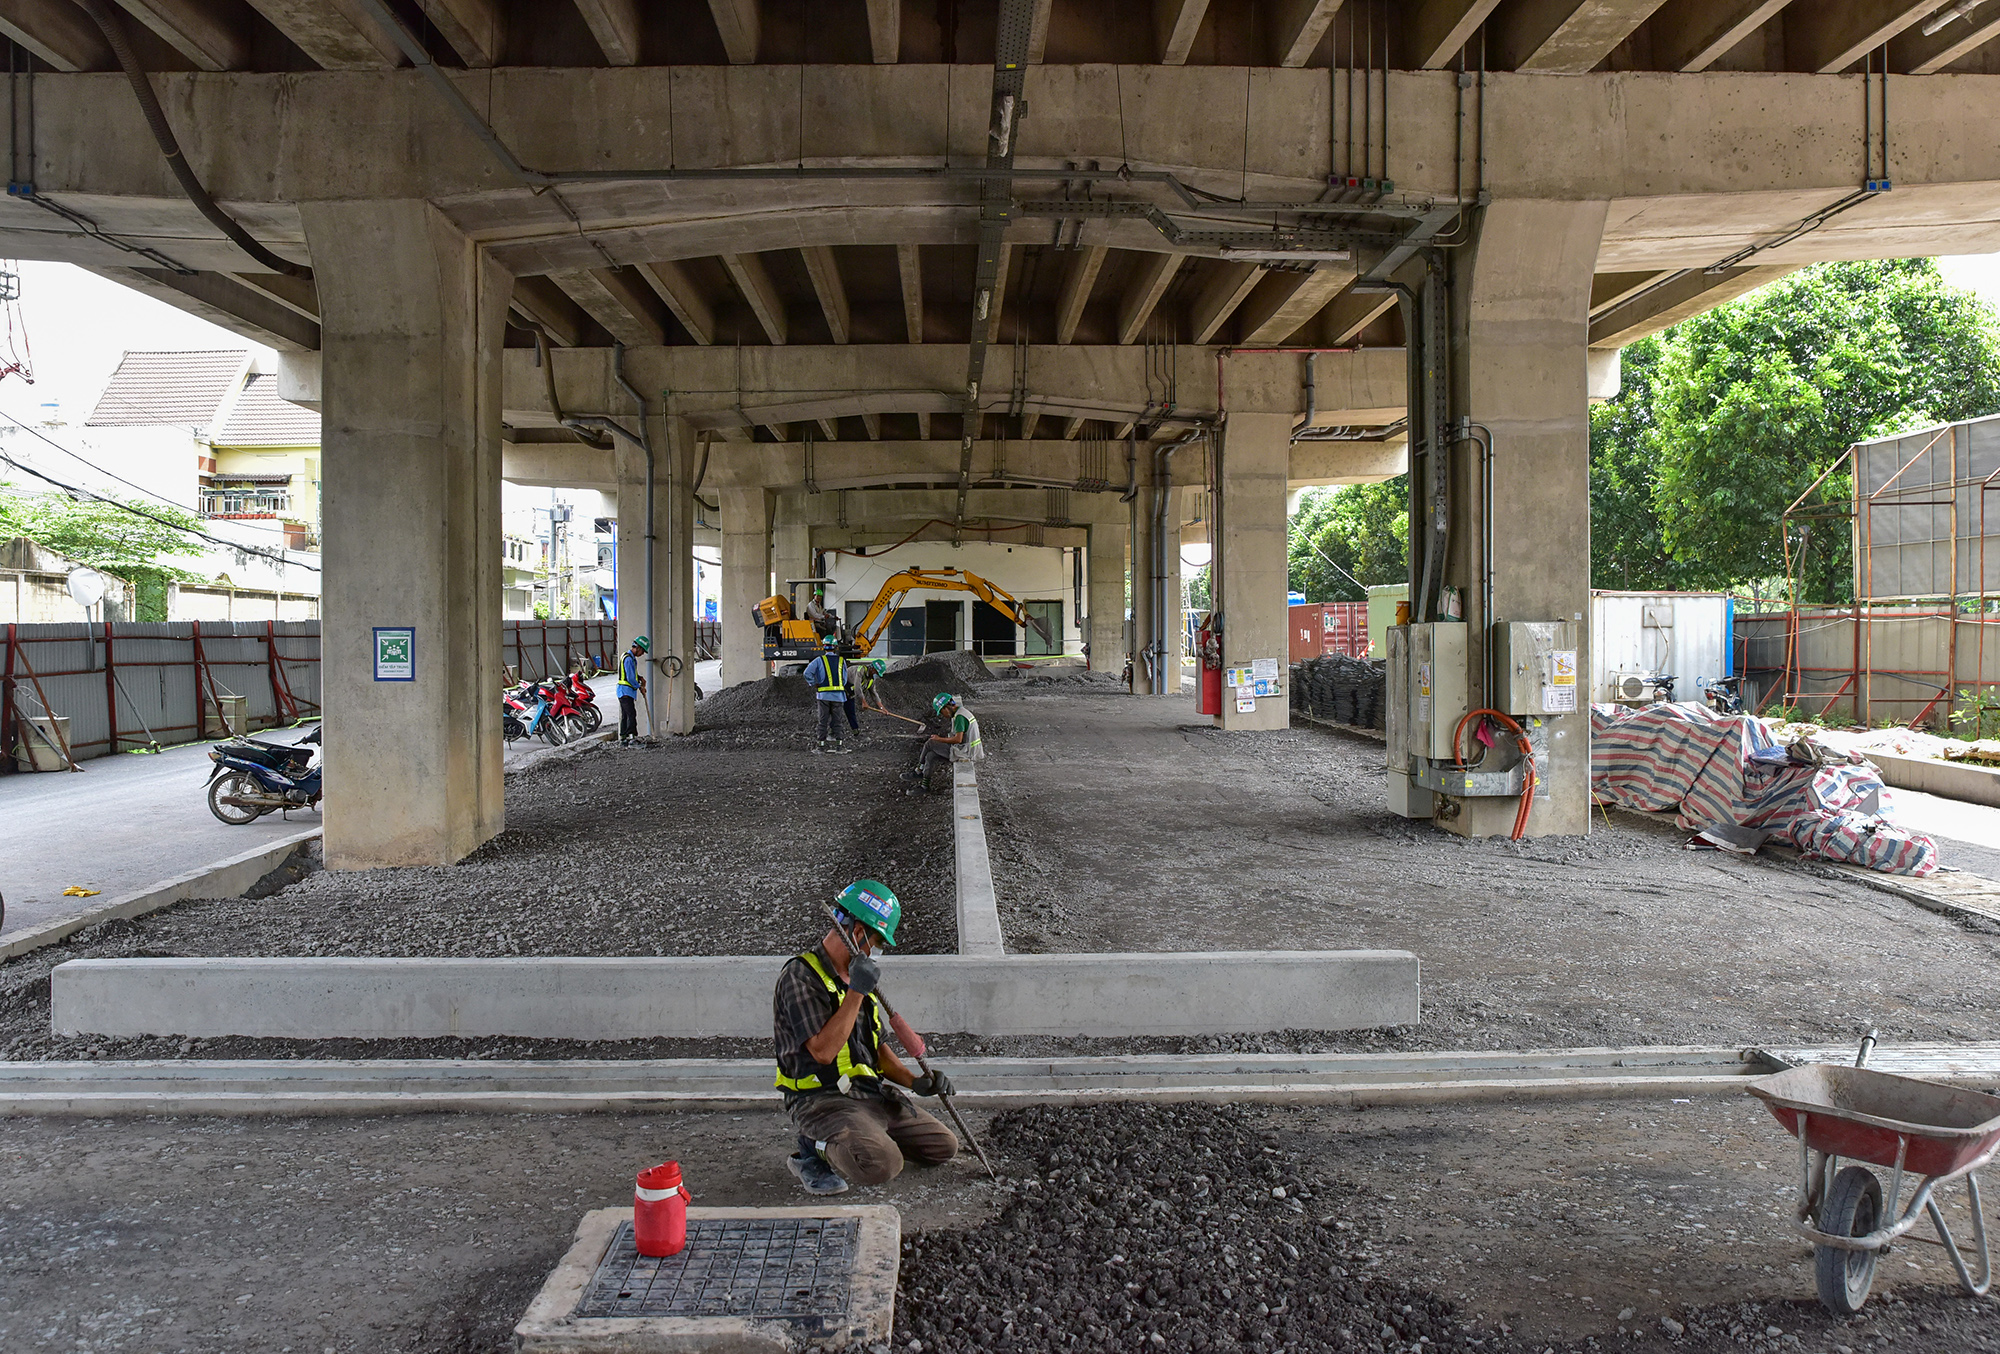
1342	689
771	695
1158	1227
942	671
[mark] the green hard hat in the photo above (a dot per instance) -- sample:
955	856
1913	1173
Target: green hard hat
869	902
942	699
642	644
829	642
879	666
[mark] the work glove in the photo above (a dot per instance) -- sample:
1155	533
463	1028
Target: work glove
864	975
932	1082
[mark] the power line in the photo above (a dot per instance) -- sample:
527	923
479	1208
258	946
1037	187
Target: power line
151	517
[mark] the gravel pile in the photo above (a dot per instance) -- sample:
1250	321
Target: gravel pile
785	696
1161	1227
947	670
1342	689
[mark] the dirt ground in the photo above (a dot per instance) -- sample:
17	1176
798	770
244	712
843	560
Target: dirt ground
1506	1228
1125	824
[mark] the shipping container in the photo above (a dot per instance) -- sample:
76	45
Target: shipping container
1320	628
1683	635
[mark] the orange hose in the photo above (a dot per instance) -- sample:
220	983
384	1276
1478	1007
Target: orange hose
1527	759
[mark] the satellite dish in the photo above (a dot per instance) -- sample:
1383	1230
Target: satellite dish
86	586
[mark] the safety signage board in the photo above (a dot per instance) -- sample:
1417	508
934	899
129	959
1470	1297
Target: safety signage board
1559	696
1246	707
1264	669
395	653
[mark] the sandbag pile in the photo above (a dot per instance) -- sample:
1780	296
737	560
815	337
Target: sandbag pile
1341	689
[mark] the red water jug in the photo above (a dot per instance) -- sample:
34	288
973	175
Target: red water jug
660	1211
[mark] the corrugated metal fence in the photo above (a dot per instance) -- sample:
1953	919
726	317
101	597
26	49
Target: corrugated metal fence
1906	663
182	681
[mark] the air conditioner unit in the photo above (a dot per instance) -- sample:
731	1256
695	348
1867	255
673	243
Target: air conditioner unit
1633	687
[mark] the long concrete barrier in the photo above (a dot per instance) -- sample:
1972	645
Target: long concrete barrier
1104	995
978	904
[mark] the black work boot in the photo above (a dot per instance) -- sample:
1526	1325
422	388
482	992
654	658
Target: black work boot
813	1171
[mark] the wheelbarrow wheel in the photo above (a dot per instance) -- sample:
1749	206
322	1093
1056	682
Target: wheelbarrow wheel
1853	1208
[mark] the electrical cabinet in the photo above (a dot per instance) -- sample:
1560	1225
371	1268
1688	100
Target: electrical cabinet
1437	687
1535	667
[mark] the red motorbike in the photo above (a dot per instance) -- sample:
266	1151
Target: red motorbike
584	701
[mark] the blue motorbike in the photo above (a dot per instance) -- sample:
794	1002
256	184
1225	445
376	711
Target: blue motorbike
252	778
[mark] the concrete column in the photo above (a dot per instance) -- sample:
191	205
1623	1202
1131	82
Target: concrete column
411	321
677	604
668	620
1250	560
791	542
1521	370
1147	571
746	578
1104	594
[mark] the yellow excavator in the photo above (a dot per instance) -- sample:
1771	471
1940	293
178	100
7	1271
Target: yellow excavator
795	634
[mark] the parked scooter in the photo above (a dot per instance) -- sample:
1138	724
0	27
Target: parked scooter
252	778
1725	695
585	701
541	709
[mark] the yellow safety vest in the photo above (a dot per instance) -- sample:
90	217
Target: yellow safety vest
849	1069
836	676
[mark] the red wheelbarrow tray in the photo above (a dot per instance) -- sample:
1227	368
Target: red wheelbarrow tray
1862	1114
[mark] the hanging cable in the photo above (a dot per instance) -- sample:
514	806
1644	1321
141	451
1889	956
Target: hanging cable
110	20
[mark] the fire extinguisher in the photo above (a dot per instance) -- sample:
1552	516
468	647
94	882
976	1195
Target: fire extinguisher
1208	651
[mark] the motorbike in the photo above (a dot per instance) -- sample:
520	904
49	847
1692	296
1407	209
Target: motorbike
1725	695
541	709
252	778
585	701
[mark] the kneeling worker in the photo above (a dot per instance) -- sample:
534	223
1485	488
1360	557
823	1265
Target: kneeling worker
844	1086
960	745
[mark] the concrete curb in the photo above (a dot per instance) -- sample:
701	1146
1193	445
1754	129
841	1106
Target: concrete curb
224	879
570	749
978	905
1104	995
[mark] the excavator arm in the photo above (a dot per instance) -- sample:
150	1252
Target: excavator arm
869	632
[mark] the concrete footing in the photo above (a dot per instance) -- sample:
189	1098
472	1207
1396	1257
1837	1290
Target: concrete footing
1104	995
978	905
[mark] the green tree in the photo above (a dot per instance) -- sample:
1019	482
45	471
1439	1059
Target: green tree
111	538
1729	417
1364	529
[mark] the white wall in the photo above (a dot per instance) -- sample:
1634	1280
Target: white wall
1695	646
1030	573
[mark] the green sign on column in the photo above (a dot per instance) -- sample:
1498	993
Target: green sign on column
395	653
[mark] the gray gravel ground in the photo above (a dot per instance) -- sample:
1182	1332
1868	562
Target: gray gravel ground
1119	823
1572	1226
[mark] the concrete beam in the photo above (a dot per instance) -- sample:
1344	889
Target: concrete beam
220	299
740	22
1671	302
824	270
1565	37
1220	298
58	33
620	301
1352	312
853	465
997	306
910	268
1346	462
474	28
295	294
1286	301
559	465
754	281
338	34
1038	29
885	30
1916	54
1695	34
1439	28
1177	22
1048	995
1830	38
1084	265
1608	289
684	298
200	30
1149	283
1296	28
616	24
541	300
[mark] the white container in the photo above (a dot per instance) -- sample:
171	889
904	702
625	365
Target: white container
1685	635
33	751
235	714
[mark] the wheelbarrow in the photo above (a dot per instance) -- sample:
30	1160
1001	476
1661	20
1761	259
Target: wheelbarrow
1909	1127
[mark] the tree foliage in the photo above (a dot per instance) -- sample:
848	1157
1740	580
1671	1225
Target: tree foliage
1727	418
1364	529
110	538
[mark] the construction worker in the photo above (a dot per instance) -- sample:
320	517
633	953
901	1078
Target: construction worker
631	686
961	744
827	675
844	1086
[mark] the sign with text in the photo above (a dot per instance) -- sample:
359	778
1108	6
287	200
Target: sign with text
395	653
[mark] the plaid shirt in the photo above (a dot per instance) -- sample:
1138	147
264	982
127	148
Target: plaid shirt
800	1008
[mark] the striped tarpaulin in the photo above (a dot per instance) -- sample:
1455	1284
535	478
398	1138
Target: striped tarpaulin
1711	770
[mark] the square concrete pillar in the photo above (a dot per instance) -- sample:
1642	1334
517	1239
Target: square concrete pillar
791	542
1104	592
1523	372
746	580
1251	567
412	315
668	620
1150	570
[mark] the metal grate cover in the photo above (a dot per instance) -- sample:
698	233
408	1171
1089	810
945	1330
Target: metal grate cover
766	1268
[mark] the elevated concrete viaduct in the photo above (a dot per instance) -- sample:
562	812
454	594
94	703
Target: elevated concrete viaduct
841	272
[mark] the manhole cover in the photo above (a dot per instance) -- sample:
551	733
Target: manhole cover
769	1268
